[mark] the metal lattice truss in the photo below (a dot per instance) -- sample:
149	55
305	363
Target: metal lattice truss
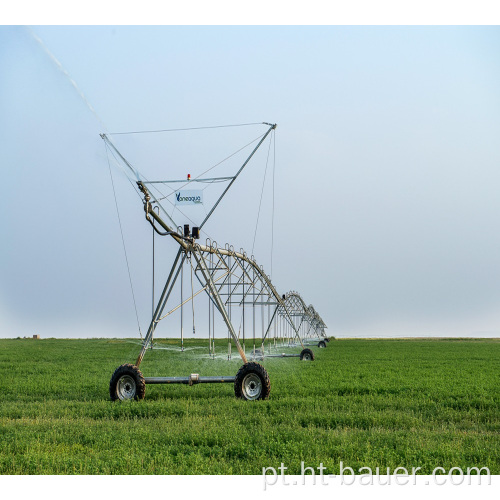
237	287
307	322
232	279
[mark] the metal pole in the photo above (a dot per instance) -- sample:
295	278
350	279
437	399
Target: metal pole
229	315
253	307
182	307
271	127
270	323
159	308
209	322
243	310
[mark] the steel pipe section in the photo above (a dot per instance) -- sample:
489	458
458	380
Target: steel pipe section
192	379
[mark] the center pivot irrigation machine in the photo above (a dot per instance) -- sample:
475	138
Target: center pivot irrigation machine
231	280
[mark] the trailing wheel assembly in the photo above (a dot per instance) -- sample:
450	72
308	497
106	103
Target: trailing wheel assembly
127	382
252	382
307	355
321	344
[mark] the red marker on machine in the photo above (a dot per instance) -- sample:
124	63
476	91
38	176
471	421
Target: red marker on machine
189	177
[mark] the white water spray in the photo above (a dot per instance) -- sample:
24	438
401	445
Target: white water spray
73	83
67	75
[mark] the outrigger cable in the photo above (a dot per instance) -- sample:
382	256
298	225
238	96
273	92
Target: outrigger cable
123	242
261	195
185	129
197	178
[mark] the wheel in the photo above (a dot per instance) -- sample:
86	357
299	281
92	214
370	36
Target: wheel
321	344
307	355
127	383
252	382
327	339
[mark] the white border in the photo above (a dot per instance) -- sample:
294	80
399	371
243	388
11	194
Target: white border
256	12
226	487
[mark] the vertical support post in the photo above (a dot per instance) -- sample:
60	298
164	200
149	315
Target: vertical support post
243	275
253	304
271	321
182	307
209	323
229	308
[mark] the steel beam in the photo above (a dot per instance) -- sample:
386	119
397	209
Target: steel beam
190	380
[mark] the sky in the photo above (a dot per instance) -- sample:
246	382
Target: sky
386	170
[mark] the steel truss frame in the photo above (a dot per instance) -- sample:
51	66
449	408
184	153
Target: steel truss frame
308	322
228	277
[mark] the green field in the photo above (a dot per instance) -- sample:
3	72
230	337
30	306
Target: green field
369	403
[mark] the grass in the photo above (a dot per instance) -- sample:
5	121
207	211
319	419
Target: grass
369	403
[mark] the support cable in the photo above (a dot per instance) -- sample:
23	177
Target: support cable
261	195
205	171
185	129
123	242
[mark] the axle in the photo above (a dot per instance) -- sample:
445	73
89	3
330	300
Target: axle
194	378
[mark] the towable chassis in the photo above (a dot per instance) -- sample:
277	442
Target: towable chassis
215	268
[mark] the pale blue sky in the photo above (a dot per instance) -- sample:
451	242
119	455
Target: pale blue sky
387	171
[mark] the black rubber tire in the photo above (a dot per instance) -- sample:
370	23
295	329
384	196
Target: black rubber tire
129	371
305	354
327	339
321	344
255	369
